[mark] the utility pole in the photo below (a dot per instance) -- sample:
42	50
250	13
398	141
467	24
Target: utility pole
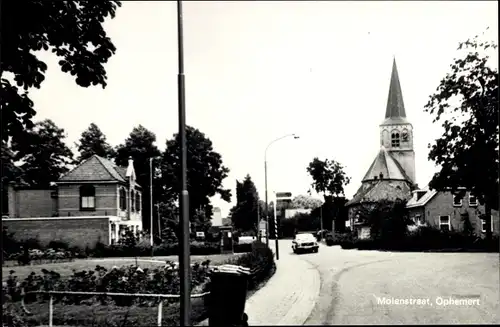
151	205
184	259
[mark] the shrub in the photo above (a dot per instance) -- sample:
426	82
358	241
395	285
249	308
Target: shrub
58	245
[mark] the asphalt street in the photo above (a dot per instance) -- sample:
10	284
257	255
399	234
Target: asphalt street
372	287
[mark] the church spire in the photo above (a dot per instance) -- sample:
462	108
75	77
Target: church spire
395	104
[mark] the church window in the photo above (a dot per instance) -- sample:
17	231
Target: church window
405	137
87	197
395	139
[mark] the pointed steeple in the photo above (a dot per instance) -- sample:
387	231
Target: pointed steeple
395	106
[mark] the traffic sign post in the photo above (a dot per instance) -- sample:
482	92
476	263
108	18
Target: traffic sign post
279	197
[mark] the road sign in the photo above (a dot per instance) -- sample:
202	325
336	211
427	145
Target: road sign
283	195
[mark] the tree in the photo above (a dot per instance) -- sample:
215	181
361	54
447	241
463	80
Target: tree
93	141
43	154
388	220
244	214
140	145
205	172
329	179
466	102
306	202
71	29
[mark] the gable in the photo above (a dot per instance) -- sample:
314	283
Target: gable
94	169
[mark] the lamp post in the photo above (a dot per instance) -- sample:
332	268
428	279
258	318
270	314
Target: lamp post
151	203
265	182
184	260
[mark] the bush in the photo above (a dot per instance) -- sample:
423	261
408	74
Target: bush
59	245
427	238
338	238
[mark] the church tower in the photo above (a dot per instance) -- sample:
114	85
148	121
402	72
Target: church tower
396	133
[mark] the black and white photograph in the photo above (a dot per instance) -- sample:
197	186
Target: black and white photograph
249	163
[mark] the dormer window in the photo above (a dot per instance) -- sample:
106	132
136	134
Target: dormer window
457	200
395	140
87	198
472	200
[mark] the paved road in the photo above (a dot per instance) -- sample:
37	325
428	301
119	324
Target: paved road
351	281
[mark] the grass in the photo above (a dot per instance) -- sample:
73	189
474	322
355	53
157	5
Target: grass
66	268
110	315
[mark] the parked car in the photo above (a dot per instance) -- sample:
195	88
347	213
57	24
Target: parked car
305	243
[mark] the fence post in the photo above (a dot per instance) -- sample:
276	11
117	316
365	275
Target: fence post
160	309
51	309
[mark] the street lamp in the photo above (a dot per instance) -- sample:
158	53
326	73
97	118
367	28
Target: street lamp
265	181
151	202
184	260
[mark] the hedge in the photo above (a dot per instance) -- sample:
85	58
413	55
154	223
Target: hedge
426	239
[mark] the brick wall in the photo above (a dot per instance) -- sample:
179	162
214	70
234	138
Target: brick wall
81	231
442	205
31	203
106	200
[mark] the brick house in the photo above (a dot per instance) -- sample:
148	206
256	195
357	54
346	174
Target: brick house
447	211
95	201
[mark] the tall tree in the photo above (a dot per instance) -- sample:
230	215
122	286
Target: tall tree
205	172
329	179
140	145
466	102
306	202
43	155
71	29
93	141
244	214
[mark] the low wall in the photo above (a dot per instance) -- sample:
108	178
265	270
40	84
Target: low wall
77	231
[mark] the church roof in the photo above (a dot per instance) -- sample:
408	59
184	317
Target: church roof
395	111
96	168
378	190
385	167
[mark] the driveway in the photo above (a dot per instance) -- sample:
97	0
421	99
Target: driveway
371	287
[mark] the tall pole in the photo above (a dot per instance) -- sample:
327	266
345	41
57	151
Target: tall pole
184	263
276	228
151	204
267	204
265	182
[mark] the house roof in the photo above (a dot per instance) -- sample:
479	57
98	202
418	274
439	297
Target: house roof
386	166
378	190
96	168
395	110
429	194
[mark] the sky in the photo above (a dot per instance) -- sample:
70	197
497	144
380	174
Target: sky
256	71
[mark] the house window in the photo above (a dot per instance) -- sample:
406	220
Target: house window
137	201
395	139
457	200
132	202
472	200
123	199
483	225
87	197
444	223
